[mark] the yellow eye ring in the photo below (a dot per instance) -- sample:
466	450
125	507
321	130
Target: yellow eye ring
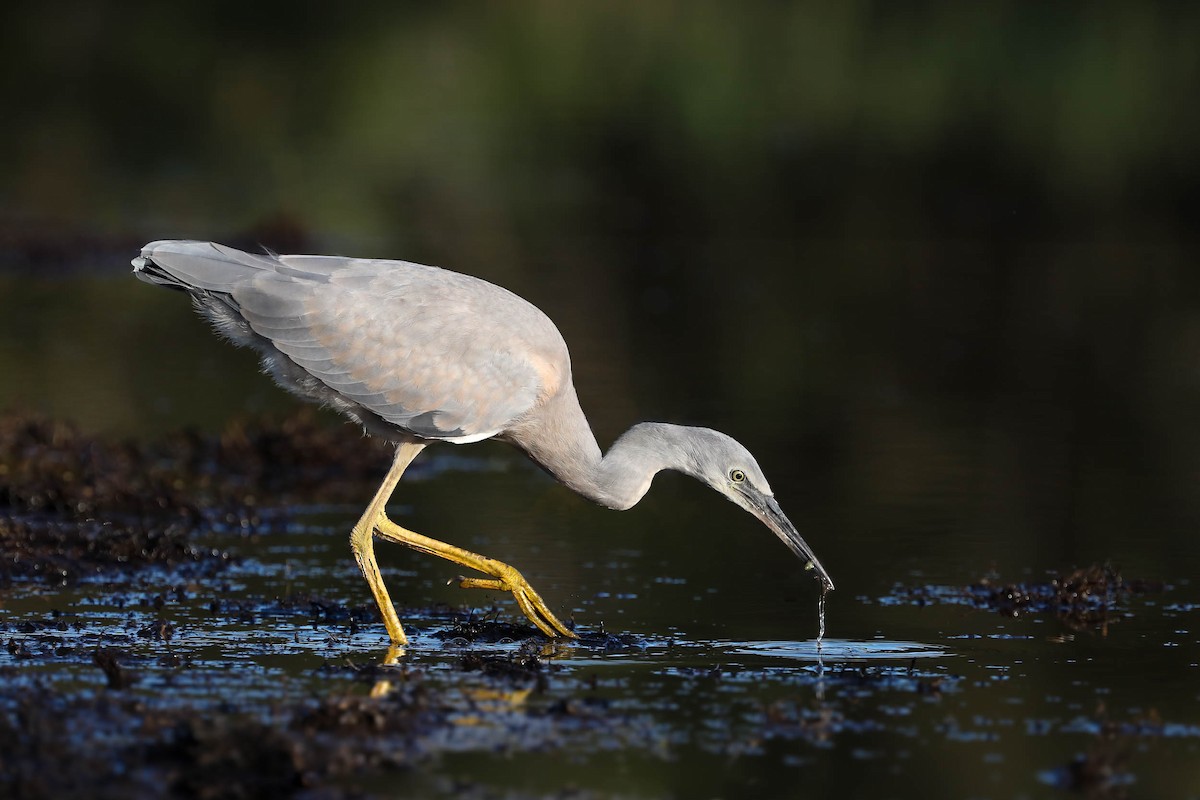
737	476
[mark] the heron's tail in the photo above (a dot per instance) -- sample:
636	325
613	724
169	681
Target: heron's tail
198	266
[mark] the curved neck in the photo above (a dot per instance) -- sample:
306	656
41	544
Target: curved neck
625	473
560	440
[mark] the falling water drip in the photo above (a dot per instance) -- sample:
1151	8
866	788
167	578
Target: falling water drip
821	618
820	636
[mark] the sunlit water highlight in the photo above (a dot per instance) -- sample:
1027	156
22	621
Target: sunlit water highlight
841	650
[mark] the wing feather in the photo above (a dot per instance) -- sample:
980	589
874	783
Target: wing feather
436	353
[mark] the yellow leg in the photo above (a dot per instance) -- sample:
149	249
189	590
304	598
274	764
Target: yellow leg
363	545
504	578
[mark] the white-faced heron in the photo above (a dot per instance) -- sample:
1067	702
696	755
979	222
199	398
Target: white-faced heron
417	354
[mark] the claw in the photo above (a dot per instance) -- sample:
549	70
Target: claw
529	601
503	577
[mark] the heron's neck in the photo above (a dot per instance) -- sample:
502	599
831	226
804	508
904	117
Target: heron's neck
561	441
624	474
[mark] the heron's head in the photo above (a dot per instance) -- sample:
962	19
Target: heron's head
722	463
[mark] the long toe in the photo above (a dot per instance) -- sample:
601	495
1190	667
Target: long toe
528	600
535	608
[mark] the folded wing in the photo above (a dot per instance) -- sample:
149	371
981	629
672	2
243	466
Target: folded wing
438	354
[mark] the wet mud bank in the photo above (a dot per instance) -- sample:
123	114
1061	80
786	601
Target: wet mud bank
108	697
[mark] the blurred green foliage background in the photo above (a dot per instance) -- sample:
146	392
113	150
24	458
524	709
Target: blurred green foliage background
475	126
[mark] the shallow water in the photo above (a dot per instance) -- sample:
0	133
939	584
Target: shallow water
955	699
720	688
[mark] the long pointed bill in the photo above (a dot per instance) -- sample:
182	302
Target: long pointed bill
768	510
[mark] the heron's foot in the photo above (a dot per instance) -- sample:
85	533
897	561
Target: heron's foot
530	602
503	577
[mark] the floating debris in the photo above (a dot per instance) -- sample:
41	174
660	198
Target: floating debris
1082	599
106	659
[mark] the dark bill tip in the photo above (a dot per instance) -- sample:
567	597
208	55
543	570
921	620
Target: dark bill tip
774	518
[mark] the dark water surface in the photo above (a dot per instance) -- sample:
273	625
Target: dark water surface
908	496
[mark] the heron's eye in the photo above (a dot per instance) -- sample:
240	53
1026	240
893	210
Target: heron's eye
737	476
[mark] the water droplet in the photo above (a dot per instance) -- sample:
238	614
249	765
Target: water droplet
821	619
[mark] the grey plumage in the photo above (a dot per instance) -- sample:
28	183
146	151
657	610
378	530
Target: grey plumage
418	354
339	320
